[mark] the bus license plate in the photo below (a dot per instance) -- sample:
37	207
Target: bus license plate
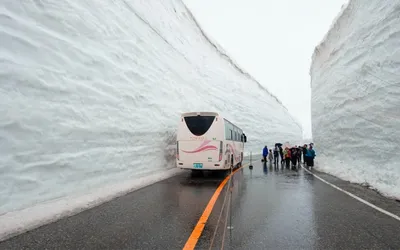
198	165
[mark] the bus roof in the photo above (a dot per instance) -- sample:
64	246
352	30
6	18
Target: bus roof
199	113
205	113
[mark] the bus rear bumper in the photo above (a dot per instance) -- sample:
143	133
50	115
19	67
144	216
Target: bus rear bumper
204	166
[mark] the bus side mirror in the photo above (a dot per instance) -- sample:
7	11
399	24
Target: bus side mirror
245	138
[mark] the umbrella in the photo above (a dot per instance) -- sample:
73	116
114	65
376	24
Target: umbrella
278	144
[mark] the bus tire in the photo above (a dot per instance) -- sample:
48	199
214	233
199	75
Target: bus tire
226	172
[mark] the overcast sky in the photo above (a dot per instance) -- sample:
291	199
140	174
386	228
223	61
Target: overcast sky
273	41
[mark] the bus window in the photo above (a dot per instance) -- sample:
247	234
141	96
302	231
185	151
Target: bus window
199	125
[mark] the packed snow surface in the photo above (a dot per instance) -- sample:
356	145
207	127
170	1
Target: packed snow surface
91	92
355	81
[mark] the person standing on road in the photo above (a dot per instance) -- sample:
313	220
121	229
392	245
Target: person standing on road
304	153
265	153
286	155
299	153
281	154
276	156
270	156
293	156
310	157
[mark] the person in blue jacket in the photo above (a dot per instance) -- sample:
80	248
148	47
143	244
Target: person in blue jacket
265	153
310	155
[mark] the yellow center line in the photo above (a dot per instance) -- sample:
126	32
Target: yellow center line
196	233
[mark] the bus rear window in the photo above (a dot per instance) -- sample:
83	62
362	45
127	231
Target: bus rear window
199	125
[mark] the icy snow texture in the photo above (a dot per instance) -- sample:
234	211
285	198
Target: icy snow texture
17	222
355	102
91	92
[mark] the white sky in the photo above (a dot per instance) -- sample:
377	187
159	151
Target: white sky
273	41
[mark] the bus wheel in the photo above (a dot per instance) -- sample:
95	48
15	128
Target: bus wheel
224	172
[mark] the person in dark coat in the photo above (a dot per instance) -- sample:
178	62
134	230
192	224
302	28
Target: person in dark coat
293	158
276	155
281	154
299	153
304	153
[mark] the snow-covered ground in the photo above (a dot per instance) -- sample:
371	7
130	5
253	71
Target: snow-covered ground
356	96
91	92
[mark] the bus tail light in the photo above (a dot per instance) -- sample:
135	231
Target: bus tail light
220	151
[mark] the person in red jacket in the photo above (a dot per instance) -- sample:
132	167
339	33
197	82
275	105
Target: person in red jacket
293	156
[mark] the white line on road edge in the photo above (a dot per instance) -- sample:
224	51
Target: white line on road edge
355	197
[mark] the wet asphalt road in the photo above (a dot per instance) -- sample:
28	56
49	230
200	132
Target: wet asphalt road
160	216
270	209
285	209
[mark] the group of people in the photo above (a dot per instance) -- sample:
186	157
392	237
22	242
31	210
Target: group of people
290	155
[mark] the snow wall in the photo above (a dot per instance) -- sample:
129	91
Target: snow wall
355	102
91	93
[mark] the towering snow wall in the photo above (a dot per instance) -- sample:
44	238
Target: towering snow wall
355	78
91	92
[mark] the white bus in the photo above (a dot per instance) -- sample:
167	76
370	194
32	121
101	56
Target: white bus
207	141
